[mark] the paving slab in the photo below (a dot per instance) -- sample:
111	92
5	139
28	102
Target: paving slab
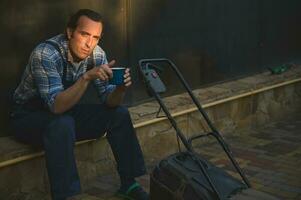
270	157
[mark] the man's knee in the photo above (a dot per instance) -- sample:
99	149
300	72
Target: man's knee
121	112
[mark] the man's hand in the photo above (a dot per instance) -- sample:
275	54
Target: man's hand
127	80
103	72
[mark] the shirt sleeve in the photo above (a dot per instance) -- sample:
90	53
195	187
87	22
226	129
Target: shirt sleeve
103	87
45	73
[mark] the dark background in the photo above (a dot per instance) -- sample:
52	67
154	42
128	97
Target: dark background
209	40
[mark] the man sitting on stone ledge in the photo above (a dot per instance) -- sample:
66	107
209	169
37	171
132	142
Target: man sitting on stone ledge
47	110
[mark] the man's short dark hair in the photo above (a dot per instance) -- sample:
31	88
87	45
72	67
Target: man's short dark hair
73	20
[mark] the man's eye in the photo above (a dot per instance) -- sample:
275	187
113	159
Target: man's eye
84	34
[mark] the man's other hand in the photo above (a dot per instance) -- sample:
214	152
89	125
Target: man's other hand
103	72
127	80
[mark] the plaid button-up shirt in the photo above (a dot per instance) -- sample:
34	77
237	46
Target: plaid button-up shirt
43	74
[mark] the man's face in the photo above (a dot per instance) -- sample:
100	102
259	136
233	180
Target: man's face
84	38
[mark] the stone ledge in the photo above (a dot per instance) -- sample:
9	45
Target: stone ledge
11	151
209	95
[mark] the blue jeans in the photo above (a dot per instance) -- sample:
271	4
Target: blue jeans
57	134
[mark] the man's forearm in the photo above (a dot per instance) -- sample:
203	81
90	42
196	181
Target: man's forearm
69	97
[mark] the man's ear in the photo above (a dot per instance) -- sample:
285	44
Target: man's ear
69	33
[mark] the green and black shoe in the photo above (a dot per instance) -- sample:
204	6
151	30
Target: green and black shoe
135	192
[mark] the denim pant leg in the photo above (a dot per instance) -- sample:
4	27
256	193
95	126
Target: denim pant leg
93	120
59	141
56	134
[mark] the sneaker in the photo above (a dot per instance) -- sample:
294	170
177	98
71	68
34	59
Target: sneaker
135	192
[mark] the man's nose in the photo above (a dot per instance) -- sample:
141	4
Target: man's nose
89	42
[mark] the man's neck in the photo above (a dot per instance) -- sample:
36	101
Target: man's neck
72	58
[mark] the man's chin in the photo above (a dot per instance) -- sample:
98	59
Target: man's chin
84	55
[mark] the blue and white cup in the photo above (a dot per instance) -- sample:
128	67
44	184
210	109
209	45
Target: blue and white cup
118	76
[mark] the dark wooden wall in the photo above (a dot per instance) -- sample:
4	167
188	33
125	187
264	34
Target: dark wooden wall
209	40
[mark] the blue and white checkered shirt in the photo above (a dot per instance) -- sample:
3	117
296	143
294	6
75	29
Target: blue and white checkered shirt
43	74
